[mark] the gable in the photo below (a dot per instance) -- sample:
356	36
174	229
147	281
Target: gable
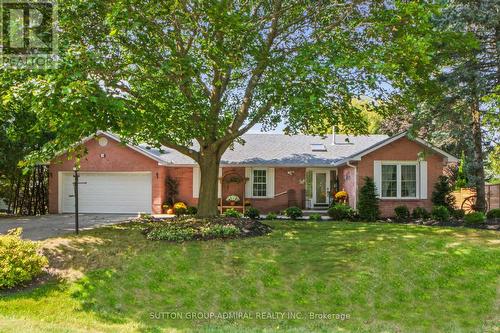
403	148
107	155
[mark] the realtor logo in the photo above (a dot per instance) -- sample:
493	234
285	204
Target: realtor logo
28	35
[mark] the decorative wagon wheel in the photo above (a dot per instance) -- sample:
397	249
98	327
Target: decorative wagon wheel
469	204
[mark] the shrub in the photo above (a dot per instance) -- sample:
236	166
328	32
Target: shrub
315	217
271	216
441	196
494	213
231	212
340	212
172	185
293	212
220	231
474	218
420	213
172	232
368	204
402	213
252	213
440	213
191	210
180	208
20	261
458	213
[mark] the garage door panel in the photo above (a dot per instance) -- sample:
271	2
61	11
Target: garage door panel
108	192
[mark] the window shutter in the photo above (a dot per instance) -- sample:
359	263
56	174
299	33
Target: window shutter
196	181
248	183
270	183
219	184
423	179
377	176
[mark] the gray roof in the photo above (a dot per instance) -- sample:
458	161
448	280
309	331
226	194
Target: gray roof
279	149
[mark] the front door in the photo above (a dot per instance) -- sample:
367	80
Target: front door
321	187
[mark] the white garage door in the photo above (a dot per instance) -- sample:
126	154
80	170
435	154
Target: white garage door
107	193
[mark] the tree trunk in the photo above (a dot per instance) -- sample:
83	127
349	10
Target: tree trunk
478	157
209	181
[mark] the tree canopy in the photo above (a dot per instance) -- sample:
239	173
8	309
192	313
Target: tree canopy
196	75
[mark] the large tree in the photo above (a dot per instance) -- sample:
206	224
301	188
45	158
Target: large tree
196	75
458	108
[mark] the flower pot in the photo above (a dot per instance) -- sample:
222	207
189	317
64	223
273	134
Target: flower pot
232	203
170	211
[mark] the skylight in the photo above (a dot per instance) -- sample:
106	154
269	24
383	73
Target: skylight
318	147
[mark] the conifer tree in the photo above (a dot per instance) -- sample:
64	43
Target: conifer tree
368	204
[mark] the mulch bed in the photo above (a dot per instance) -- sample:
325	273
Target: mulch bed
247	227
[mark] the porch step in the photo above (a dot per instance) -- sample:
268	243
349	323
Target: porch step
324	206
308	212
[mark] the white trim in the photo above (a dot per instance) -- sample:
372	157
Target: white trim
314	183
357	157
59	191
377	177
270	182
328	171
248	184
423	179
398	165
450	158
196	181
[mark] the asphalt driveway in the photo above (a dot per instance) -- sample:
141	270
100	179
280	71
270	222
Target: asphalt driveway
42	227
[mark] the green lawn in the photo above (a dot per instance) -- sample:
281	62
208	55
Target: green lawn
394	278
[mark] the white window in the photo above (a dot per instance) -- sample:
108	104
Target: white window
399	180
409	181
259	183
389	181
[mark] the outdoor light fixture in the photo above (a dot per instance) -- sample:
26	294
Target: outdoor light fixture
103	141
291	172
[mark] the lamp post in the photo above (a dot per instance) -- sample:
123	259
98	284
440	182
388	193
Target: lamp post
75	183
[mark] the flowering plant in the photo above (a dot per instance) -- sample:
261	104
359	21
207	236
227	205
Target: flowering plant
233	198
341	195
180	205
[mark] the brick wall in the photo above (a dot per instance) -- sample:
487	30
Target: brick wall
185	177
283	183
117	158
403	150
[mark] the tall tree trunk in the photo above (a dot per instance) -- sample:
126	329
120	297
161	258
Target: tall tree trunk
478	156
209	181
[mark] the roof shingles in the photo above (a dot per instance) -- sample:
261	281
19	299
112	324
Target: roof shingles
279	149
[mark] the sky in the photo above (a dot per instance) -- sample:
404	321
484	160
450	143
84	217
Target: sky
258	129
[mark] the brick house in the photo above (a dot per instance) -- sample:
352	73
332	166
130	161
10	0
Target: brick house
270	171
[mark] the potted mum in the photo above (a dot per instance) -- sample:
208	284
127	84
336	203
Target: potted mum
233	199
341	197
180	208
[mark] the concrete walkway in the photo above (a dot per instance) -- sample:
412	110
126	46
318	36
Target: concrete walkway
42	227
